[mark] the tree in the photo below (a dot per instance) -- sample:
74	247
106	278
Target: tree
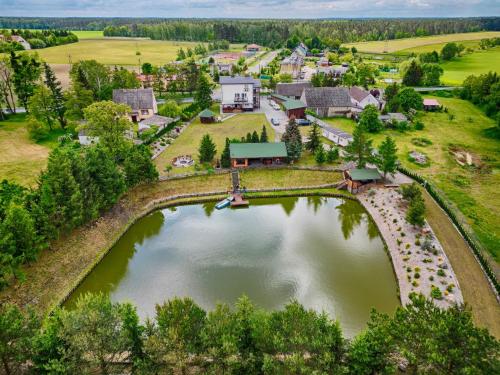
255	137
410	191
7	85
124	79
59	107
108	121
138	166
26	73
181	55
207	149
263	135
408	99
432	74
159	78
170	109
449	51
387	159
413	74
93	76
147	68
191	75
360	149
314	138
293	140
332	154
416	211
349	79
42	105
16	333
204	93
77	99
225	159
320	154
36	129
369	119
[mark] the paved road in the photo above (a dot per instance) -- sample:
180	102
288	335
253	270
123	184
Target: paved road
263	62
436	88
271	113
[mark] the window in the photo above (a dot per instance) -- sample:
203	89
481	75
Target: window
245	88
144	112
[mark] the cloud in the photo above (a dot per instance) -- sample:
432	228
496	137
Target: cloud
251	9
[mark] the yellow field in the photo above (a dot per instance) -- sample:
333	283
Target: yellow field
403	44
111	51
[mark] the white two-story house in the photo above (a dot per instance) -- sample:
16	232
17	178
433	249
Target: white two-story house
239	93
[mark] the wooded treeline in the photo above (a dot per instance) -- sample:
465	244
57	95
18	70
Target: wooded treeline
101	337
276	32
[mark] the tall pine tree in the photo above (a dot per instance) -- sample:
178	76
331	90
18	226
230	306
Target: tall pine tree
314	140
360	149
263	135
204	93
293	140
225	159
387	159
54	86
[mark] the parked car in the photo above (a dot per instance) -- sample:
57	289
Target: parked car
275	122
276	106
302	122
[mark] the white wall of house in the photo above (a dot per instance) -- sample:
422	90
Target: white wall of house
337	139
229	93
86	140
370	99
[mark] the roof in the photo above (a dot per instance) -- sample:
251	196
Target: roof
253	46
292	89
318	97
337	132
358	94
364	174
239	80
135	98
293	104
257	150
207	113
431	102
157	120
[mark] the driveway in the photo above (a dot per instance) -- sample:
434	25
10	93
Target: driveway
271	113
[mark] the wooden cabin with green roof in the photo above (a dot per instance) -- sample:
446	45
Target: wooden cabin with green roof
207	116
246	154
361	179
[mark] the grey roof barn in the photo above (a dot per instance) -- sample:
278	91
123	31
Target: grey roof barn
292	89
325	97
136	99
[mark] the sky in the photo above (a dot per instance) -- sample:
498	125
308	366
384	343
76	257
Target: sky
251	8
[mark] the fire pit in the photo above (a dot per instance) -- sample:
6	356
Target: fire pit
183	161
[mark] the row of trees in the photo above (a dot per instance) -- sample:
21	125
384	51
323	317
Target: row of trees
36	39
316	33
484	91
99	336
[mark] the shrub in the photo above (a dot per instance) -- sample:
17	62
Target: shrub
441	273
416	275
419	125
436	293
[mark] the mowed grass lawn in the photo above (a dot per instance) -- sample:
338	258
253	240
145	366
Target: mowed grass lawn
112	51
189	141
22	159
395	45
474	193
479	62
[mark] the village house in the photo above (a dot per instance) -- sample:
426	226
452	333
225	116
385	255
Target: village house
239	93
223	68
253	48
292	65
328	101
19	39
141	101
337	136
431	105
245	154
361	98
301	50
292	90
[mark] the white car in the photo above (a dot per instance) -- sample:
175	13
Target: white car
276	106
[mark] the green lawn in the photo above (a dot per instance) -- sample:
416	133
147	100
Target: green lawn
474	192
474	44
88	34
395	45
188	142
22	159
476	63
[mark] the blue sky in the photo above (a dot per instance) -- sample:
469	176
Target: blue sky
251	9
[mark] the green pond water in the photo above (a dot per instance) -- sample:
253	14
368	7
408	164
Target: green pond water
324	252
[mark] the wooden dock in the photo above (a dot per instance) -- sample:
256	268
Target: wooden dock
238	201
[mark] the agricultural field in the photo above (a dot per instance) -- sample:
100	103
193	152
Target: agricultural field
88	34
22	159
395	45
476	63
188	142
472	189
111	51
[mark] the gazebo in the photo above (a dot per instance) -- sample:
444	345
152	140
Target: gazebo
207	116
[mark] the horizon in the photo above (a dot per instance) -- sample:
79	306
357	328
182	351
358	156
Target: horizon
231	9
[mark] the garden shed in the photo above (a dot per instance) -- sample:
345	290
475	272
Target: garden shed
360	179
207	116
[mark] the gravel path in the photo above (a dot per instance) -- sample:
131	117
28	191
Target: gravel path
417	269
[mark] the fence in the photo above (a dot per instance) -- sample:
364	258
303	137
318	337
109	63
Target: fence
476	248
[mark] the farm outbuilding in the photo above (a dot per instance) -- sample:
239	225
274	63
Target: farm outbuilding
360	179
431	105
295	108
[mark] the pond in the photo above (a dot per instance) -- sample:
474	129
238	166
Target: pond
324	252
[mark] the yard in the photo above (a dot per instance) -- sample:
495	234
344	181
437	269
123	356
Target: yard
472	189
188	142
22	159
395	45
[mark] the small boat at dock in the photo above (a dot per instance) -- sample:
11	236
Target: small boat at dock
224	203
